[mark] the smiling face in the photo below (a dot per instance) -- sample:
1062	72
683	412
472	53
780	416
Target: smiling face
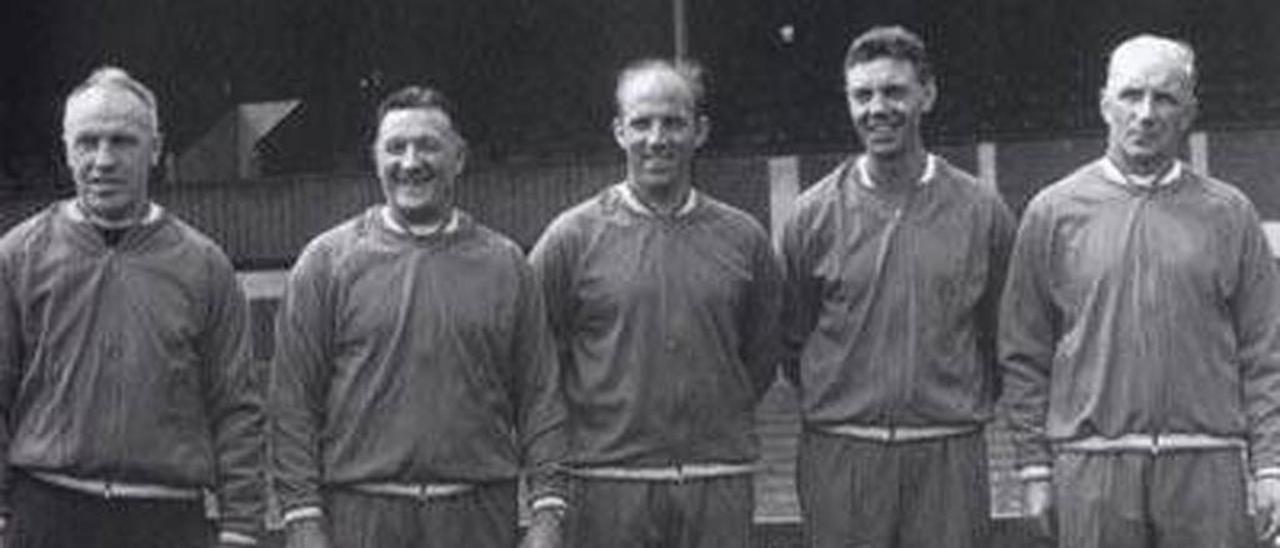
887	100
659	129
111	144
1149	104
419	157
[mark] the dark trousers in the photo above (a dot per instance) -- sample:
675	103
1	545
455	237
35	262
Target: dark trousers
48	516
482	518
1187	499
702	513
871	494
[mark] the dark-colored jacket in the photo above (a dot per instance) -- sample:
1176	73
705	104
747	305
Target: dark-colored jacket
891	300
667	329
413	360
1133	310
129	363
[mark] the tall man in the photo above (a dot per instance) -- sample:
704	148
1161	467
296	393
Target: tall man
663	301
128	397
414	376
894	264
1140	335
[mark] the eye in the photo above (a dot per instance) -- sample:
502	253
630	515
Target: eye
394	146
860	95
640	124
676	123
1130	95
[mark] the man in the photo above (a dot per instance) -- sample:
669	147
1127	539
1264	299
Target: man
414	376
1140	337
130	402
894	263
664	303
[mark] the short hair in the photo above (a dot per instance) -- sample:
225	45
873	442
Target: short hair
1177	52
687	70
418	97
110	77
893	42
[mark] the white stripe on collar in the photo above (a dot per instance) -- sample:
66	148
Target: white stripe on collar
630	199
930	170
439	227
79	215
1113	173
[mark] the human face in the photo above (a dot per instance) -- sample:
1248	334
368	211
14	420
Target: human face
886	102
659	129
1148	105
111	145
419	157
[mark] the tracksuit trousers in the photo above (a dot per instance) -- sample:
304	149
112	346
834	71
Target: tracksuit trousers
857	493
696	513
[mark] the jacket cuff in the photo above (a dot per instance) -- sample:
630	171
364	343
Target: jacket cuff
1035	472
302	513
236	538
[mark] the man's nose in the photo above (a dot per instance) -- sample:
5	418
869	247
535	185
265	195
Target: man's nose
103	156
413	158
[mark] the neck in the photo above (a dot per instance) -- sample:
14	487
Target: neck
1144	167
419	218
662	199
897	173
134	215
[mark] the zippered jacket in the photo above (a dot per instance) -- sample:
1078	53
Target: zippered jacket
129	363
667	328
412	359
1141	310
891	299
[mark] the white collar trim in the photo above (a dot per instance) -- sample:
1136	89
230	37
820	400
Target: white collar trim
930	171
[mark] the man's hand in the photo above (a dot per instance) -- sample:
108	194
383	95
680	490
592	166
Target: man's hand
544	530
307	533
1037	500
1266	498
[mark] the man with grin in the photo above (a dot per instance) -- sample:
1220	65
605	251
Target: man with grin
129	398
894	263
415	376
1140	336
664	304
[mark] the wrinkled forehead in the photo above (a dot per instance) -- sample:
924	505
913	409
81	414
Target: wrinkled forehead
655	90
1152	63
100	106
415	122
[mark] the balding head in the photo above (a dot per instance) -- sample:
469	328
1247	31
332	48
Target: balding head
1148	52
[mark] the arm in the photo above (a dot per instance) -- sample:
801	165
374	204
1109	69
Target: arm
801	298
542	412
234	399
1255	311
999	245
298	387
759	320
1028	335
12	356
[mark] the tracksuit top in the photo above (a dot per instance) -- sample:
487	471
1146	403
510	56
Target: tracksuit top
412	359
891	299
1141	310
129	363
667	327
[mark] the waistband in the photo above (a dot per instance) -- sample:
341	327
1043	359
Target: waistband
119	489
892	434
420	491
1152	443
676	473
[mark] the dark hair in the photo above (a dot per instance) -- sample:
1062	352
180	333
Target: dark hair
688	70
893	42
417	97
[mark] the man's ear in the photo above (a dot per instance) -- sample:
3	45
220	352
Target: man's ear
157	149
704	130
930	95
618	130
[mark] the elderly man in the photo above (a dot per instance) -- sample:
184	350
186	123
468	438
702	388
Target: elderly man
663	301
894	263
414	377
131	408
1140	336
